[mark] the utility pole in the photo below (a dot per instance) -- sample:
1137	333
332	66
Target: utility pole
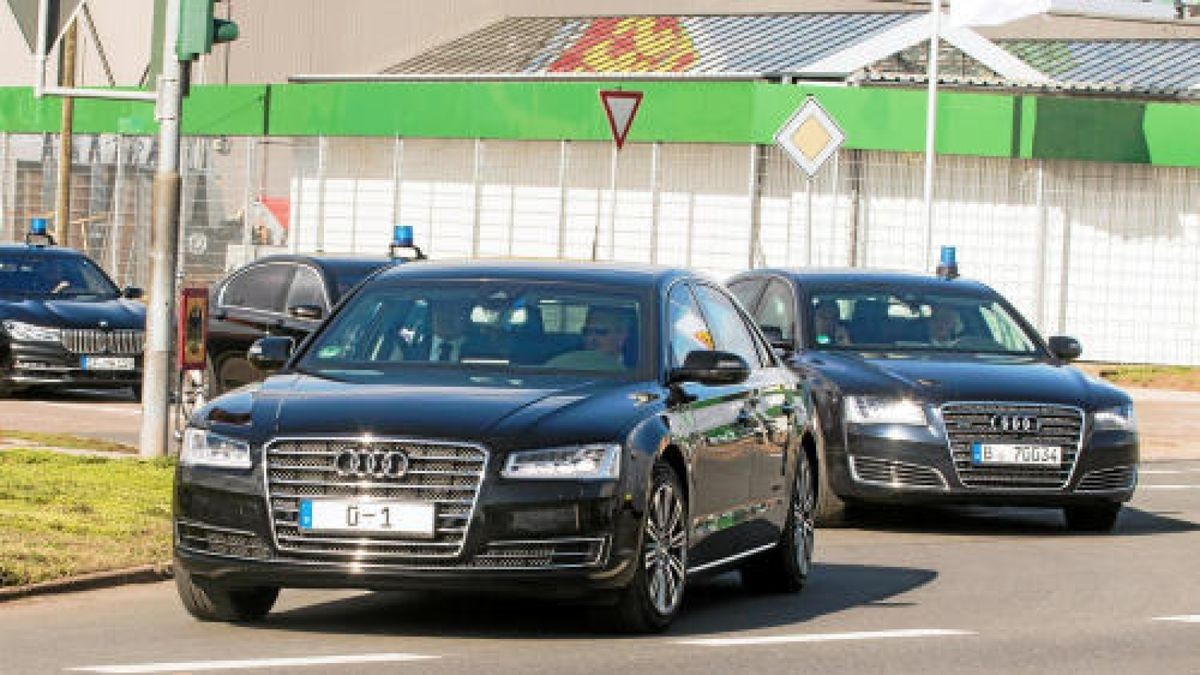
164	249
62	197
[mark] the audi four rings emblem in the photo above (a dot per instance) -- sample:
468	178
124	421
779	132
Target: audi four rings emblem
367	462
1017	423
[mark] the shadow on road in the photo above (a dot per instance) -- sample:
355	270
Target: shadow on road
712	606
121	395
1010	521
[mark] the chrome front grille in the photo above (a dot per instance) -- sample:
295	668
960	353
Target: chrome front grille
890	473
90	341
969	423
222	541
1109	480
447	475
542	553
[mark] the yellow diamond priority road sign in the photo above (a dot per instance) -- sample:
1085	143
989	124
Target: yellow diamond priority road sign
810	137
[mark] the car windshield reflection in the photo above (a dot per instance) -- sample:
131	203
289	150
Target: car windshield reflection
870	320
495	325
57	276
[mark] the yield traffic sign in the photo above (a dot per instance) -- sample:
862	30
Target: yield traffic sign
620	107
810	137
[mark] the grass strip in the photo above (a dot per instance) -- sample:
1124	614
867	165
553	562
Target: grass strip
67	441
64	515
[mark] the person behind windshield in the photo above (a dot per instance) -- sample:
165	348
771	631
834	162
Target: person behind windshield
827	325
450	320
945	326
604	334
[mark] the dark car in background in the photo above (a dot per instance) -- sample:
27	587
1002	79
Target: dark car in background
276	295
936	390
64	323
560	430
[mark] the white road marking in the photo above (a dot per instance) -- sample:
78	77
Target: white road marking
1166	472
255	663
1169	487
826	637
1193	618
134	410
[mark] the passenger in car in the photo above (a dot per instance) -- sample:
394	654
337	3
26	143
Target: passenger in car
449	320
604	333
945	326
827	325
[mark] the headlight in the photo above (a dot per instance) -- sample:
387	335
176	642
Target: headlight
576	462
204	448
1119	418
876	410
27	332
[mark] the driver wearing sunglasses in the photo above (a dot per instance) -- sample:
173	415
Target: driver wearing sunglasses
604	334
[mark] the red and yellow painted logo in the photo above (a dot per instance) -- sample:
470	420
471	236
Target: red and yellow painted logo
630	45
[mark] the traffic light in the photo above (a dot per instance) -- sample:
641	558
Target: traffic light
199	31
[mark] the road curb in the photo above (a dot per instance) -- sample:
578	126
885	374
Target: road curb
86	582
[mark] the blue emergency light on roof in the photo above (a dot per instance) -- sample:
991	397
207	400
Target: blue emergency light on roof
403	246
948	265
38	234
402	235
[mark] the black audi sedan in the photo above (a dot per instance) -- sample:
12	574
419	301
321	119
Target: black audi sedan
64	323
932	389
565	430
276	295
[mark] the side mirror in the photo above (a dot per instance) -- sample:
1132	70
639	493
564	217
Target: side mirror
132	292
310	312
270	353
1065	348
711	368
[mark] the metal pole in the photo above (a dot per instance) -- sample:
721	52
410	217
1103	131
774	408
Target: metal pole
477	178
398	181
247	201
1039	283
114	230
62	199
564	160
935	17
757	163
808	225
4	219
319	242
164	245
655	200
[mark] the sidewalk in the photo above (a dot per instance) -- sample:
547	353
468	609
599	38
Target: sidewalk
1169	422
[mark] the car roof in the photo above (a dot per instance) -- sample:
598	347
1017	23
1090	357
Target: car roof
853	276
632	275
41	250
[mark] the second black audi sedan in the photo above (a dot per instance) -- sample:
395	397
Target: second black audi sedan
937	390
558	430
276	295
64	323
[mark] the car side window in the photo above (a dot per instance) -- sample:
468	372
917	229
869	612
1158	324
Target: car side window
776	312
729	330
686	325
306	289
747	291
260	287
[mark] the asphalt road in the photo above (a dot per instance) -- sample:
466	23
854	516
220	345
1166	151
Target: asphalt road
943	591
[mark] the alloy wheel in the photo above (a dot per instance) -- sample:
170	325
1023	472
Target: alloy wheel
804	516
665	553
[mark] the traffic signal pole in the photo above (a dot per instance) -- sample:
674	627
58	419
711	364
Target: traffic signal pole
164	250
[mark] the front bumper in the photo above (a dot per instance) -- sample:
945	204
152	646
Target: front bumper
915	465
547	539
50	364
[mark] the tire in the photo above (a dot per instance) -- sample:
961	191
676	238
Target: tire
652	600
785	568
1097	518
208	600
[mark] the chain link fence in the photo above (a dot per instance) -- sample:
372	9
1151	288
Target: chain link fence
1104	252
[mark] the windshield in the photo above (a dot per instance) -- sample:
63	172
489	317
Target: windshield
870	320
512	326
53	276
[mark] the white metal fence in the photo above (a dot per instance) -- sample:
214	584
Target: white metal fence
1104	252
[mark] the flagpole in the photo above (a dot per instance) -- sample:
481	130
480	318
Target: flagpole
935	18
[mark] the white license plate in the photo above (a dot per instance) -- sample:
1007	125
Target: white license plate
370	517
1020	455
108	363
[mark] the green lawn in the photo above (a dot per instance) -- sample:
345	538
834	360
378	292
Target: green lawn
62	515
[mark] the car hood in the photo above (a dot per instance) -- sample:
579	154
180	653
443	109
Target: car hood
496	411
940	378
117	313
